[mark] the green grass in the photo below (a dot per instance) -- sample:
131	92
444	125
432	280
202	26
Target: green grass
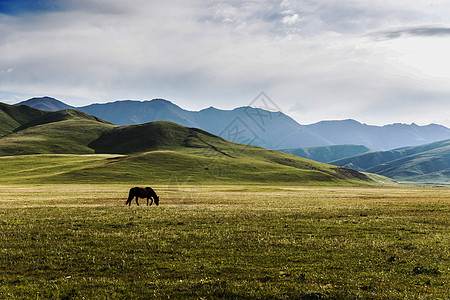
193	166
80	241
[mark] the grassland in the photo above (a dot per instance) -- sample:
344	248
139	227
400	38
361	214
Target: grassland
191	165
272	242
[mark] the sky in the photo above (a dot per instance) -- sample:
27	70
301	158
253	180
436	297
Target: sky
378	62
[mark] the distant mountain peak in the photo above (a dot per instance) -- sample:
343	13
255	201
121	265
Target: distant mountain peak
210	109
46	103
161	100
345	121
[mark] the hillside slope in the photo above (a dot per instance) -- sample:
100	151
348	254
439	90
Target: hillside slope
193	153
13	116
428	163
67	131
327	154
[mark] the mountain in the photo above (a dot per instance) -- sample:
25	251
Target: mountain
152	152
247	125
272	130
46	103
130	112
328	153
428	163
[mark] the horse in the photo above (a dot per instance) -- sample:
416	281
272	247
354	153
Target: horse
139	192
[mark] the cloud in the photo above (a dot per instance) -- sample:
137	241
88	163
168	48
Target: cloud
291	19
318	53
425	31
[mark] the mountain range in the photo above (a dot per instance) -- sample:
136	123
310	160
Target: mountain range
42	146
257	126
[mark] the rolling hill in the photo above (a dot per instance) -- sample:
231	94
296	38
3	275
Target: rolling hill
327	154
62	132
152	152
428	163
12	117
260	127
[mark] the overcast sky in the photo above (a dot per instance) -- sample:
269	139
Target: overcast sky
378	62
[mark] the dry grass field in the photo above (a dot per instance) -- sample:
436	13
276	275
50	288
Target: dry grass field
269	242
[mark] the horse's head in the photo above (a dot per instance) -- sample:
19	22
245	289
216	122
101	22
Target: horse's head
156	200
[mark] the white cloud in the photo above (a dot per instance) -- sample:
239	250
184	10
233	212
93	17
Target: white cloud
319	56
291	19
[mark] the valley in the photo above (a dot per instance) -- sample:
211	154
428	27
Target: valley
428	163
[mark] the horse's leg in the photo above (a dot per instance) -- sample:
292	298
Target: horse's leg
137	200
151	201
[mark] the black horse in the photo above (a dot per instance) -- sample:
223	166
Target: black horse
138	192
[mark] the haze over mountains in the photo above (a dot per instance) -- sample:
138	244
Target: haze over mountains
260	127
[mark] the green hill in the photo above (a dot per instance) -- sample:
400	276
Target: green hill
61	115
328	153
63	132
168	152
156	152
150	136
12	117
428	163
